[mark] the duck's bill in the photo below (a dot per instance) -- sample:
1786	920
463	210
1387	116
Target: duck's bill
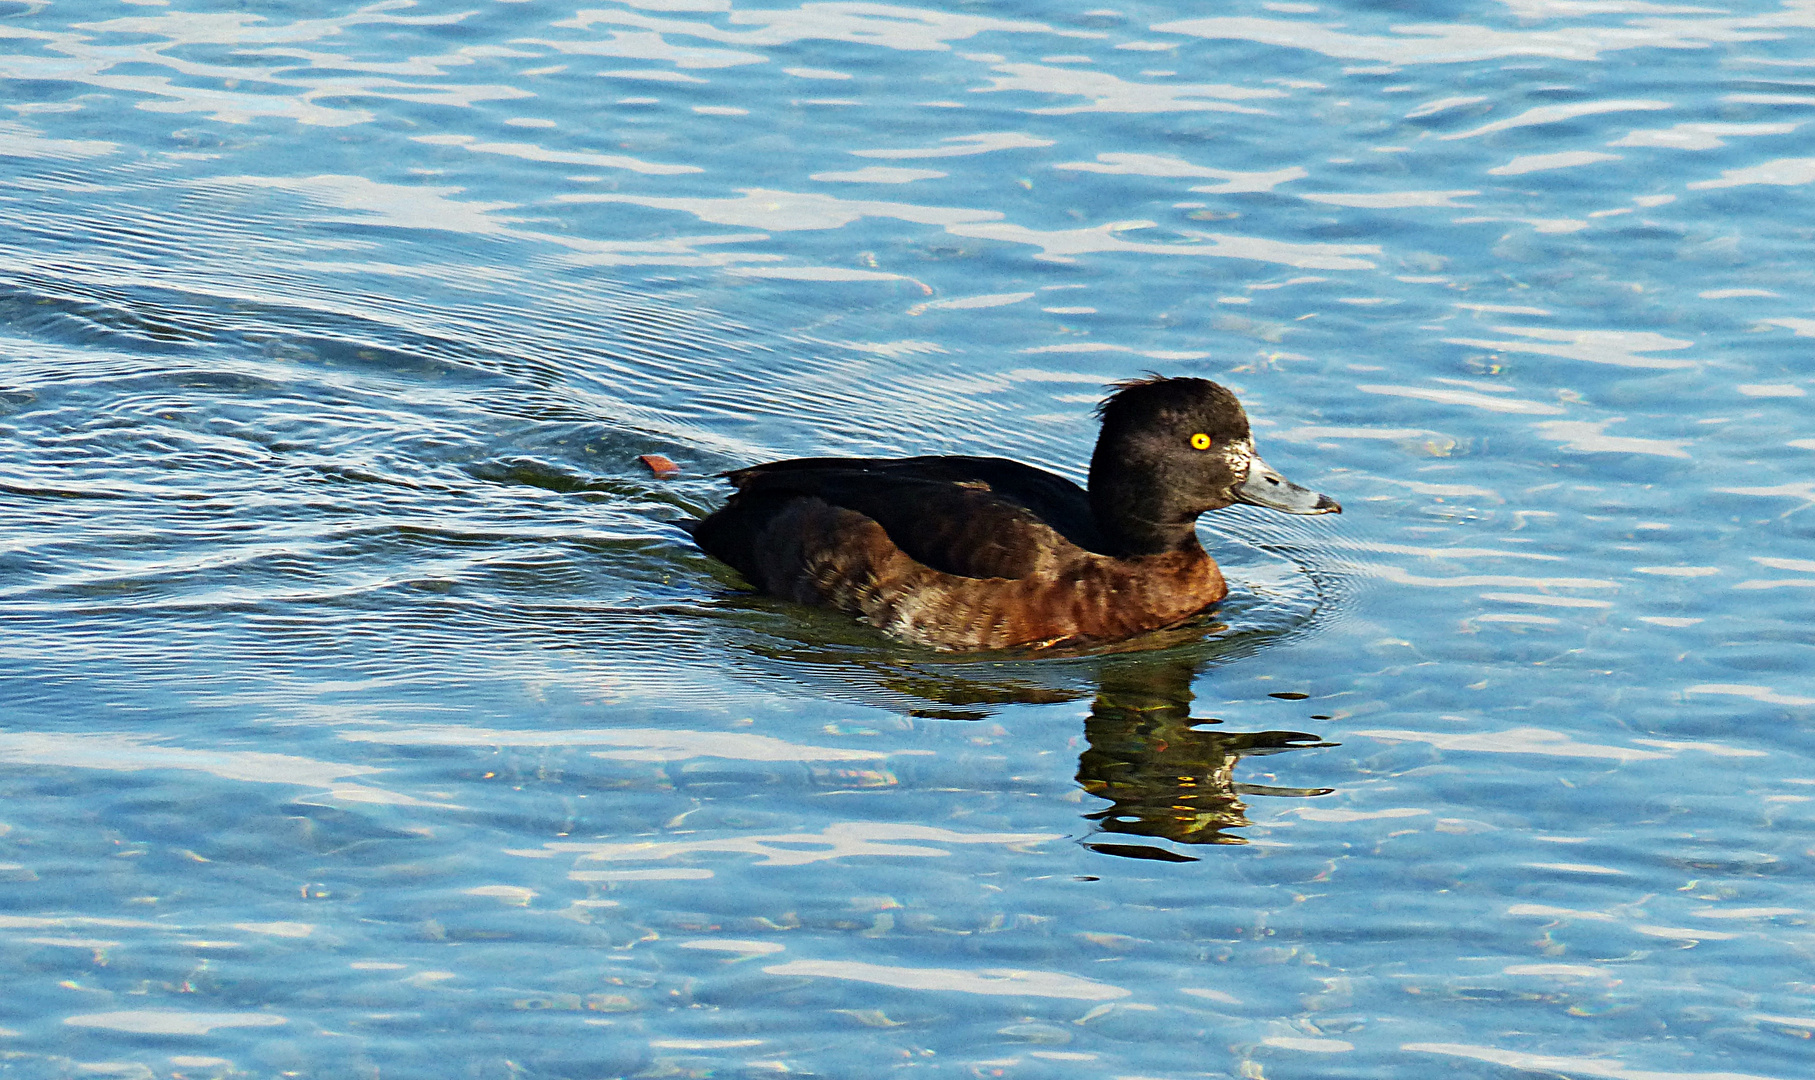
1267	488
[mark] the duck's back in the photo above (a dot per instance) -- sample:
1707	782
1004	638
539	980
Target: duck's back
951	552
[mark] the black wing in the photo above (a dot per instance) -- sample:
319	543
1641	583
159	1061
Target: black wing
976	517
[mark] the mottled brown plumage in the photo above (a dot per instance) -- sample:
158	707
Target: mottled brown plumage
962	553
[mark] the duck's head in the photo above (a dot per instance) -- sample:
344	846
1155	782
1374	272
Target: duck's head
1171	449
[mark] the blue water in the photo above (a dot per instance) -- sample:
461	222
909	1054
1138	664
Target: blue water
365	712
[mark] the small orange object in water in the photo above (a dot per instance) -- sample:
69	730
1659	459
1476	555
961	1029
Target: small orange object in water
660	465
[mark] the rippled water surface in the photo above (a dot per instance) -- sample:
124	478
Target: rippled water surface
364	710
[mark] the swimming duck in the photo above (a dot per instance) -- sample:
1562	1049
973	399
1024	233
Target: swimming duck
964	553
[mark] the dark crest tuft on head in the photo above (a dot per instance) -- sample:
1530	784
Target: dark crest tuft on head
1159	400
1117	389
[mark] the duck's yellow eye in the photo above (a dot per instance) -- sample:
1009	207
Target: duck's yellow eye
1200	441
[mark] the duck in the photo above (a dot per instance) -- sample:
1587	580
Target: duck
966	554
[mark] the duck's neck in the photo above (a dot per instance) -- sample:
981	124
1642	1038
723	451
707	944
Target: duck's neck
1138	516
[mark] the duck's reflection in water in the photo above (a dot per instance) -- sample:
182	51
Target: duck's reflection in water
1163	776
1167	775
